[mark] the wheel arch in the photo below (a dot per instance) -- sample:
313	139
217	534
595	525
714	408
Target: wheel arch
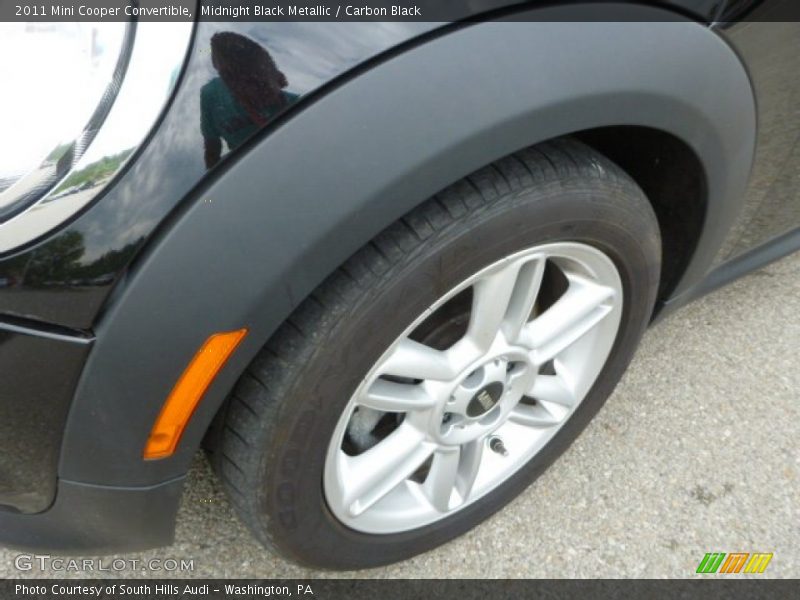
247	247
673	178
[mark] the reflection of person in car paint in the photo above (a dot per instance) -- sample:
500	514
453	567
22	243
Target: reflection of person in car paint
246	95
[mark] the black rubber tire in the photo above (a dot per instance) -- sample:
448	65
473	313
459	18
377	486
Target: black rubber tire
275	429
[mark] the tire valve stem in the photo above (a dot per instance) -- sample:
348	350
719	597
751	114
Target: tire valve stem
496	445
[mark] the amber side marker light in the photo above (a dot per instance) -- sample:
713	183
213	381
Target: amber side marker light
187	393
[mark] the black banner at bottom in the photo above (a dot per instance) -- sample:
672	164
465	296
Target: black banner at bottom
352	589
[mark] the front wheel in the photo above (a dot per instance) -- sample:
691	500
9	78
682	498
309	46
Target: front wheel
439	371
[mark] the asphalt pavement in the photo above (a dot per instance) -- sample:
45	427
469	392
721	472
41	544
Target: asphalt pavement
697	451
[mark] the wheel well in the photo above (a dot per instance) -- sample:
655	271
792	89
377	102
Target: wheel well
672	177
674	181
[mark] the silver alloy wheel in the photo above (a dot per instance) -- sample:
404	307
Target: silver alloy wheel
465	419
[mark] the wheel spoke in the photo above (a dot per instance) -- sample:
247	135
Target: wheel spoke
368	477
453	469
490	301
553	388
469	465
582	306
418	361
389	396
536	416
524	297
504	299
441	479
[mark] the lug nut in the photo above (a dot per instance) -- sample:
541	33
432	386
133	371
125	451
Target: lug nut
496	445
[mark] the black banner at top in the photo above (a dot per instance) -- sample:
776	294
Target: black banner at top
708	11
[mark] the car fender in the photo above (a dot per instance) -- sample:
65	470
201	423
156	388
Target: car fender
246	248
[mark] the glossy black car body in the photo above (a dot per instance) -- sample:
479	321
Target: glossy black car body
696	100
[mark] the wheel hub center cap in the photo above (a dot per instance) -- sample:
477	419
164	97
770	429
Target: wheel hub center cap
485	399
482	399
